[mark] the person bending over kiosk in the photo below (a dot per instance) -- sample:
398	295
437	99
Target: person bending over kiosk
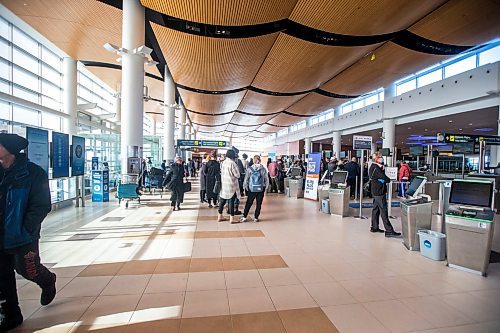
378	184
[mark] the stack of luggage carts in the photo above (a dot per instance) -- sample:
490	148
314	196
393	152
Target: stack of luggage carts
128	189
154	180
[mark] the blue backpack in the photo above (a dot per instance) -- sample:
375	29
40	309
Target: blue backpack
255	183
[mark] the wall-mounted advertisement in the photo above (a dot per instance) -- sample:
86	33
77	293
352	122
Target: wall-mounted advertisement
60	155
312	178
38	147
78	156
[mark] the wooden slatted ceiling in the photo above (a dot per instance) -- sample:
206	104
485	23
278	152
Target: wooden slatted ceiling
297	65
392	63
361	17
313	104
210	120
241	129
211	103
212	63
262	104
239	118
224	12
462	22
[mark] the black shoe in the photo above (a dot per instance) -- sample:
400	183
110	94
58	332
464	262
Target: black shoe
238	212
49	292
376	230
9	321
392	234
178	207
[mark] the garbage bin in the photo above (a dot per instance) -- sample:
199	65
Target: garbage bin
325	206
432	244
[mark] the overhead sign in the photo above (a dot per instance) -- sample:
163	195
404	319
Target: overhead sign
60	155
461	138
202	143
77	156
38	147
362	142
312	178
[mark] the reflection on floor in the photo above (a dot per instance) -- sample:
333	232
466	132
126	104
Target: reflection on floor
146	269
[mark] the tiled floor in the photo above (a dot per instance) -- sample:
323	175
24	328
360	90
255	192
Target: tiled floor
146	269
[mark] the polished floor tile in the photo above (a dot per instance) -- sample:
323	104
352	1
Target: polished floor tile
268	322
307	320
249	300
354	318
291	297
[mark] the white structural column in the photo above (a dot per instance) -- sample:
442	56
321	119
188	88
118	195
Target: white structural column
118	108
307	146
337	144
389	137
168	118
132	82
182	123
70	95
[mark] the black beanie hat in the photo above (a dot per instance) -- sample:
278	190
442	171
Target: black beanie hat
13	143
231	154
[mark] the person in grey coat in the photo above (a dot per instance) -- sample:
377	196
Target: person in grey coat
203	182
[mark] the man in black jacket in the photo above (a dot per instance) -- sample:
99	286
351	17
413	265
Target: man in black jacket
378	184
353	173
24	204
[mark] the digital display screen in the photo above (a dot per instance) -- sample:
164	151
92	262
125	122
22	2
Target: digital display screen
416	150
60	155
463	148
362	144
339	177
415	185
471	193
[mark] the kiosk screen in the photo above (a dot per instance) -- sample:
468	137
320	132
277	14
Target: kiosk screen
294	172
471	193
416	186
339	177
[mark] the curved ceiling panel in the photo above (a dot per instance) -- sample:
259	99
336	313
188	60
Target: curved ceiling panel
212	63
280	120
461	22
361	17
313	104
264	104
297	65
246	120
223	12
391	63
209	129
232	128
211	104
212	121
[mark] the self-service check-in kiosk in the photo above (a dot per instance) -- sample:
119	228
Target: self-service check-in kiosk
416	213
469	224
339	194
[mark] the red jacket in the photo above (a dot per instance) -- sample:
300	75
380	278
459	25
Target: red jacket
404	171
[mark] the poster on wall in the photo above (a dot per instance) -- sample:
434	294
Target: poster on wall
38	147
312	178
78	156
60	155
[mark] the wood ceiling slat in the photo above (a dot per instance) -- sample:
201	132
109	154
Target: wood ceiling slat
361	17
210	129
213	104
461	22
210	120
212	63
313	104
281	120
236	128
261	104
392	63
297	65
223	12
239	118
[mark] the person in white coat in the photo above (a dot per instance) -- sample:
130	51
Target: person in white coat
229	186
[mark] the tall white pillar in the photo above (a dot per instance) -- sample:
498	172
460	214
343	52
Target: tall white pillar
307	146
70	95
337	144
132	82
390	91
182	123
168	118
117	106
389	138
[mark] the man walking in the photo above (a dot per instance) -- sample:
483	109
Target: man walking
24	204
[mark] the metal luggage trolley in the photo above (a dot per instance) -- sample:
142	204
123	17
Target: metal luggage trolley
154	180
128	189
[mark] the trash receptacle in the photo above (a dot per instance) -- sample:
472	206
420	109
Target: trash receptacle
325	206
432	244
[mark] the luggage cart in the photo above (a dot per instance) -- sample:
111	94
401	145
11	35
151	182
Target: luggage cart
154	180
128	189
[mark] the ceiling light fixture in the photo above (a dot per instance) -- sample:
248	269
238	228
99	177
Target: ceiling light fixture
450	121
373	57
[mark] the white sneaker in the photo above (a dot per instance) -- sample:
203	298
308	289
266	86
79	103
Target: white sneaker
256	219
243	219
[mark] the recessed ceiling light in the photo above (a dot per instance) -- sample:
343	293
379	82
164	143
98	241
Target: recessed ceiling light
450	121
470	124
409	127
425	130
460	129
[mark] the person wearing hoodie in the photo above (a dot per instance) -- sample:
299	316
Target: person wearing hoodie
255	183
24	204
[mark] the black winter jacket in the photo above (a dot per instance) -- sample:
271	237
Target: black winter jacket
378	180
24	203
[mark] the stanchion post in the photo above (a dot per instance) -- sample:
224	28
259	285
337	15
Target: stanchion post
361	187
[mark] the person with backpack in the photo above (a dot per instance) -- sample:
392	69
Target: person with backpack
255	183
404	175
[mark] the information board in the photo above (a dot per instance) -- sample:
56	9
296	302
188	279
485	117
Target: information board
312	178
100	185
77	156
461	138
362	142
38	147
391	172
95	163
201	143
60	155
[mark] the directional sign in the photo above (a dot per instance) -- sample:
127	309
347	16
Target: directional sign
362	142
202	143
461	138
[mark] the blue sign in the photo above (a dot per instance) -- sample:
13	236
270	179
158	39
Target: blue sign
201	143
312	178
78	156
427	244
38	147
272	156
95	163
60	155
100	186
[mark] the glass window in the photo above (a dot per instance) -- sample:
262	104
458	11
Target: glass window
489	56
405	87
27	43
5	49
4	125
430	78
51	75
4	110
25	79
4	87
24	115
50	103
346	108
25	61
381	96
460	66
25	94
51	58
51	121
321	118
329	115
358	104
5	70
50	90
371	100
4	29
314	121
